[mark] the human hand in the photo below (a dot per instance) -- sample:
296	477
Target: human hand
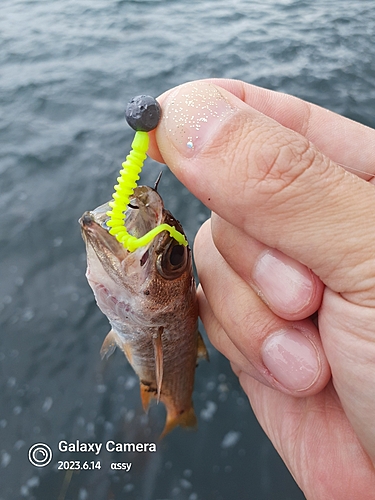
261	162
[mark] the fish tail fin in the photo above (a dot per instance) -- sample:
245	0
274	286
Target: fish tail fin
186	419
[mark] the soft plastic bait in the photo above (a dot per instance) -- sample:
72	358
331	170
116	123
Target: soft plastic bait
142	114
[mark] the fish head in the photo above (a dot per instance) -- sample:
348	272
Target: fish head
142	281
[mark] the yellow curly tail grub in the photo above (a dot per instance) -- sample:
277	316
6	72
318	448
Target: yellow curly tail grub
127	182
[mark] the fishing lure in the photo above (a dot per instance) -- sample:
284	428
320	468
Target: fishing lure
142	114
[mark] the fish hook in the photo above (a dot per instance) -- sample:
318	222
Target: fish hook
156	185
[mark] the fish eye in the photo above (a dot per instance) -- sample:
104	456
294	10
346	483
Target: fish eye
172	263
176	255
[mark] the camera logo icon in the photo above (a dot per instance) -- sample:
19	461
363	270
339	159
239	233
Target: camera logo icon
40	455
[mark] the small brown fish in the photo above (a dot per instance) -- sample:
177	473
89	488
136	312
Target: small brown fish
149	298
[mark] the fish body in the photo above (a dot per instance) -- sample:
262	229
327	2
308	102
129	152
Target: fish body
150	301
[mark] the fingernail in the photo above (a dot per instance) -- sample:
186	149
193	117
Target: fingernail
284	283
292	359
193	114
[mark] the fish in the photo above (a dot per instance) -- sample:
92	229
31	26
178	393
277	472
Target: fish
149	298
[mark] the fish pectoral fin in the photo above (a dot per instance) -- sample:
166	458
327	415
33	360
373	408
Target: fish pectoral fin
202	352
109	345
185	419
158	354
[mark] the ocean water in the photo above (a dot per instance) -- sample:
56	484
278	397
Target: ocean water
67	68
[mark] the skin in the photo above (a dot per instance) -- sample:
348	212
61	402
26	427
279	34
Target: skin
268	171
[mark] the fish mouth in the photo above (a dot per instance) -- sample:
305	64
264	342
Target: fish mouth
97	236
144	212
163	254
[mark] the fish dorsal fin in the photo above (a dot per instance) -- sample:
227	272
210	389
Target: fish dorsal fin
158	354
202	352
109	345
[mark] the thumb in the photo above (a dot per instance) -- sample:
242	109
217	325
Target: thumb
273	184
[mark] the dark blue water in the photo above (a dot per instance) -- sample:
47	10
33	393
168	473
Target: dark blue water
67	68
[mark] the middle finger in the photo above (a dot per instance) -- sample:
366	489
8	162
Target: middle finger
288	355
289	288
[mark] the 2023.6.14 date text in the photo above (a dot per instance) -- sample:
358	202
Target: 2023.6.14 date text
78	465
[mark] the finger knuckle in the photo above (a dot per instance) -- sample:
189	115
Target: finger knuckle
282	161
